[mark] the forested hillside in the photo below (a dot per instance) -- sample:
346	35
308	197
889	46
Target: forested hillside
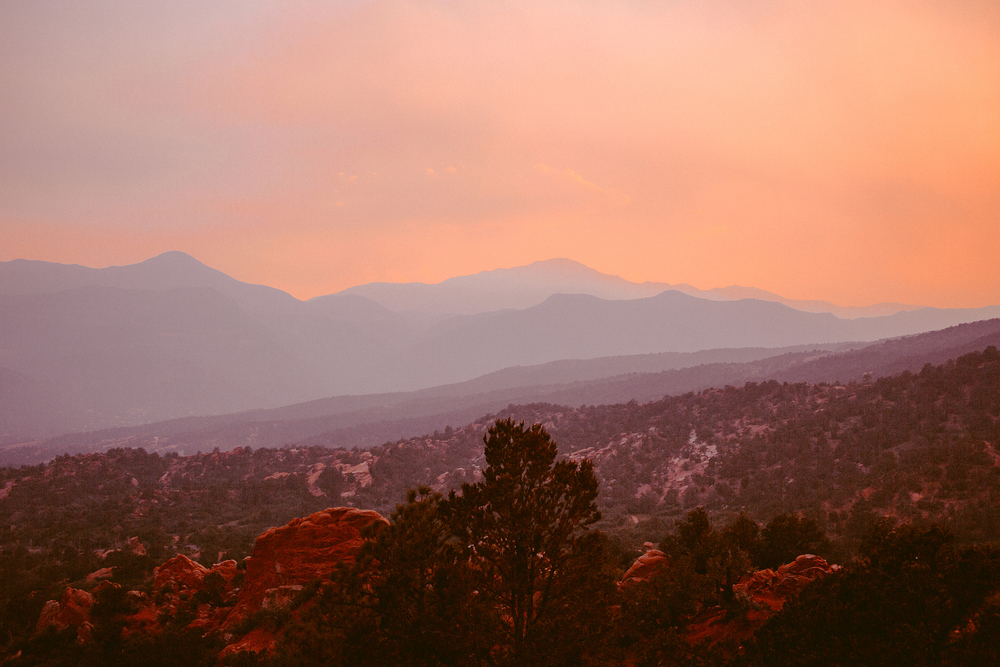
914	449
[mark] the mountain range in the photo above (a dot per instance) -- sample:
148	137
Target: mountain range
84	349
369	420
525	286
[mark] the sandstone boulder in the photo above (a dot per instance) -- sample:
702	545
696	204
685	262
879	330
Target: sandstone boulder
301	551
280	597
73	609
765	592
283	560
103	573
258	640
134	547
773	589
644	569
178	574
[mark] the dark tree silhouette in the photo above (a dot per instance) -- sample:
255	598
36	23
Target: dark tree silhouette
526	526
504	573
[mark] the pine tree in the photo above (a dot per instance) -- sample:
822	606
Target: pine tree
526	529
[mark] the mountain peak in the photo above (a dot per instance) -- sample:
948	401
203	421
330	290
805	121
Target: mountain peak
560	263
171	262
557	268
173	257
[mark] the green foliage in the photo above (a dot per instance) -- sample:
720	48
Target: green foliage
847	461
701	568
909	601
525	526
716	559
409	599
505	572
785	537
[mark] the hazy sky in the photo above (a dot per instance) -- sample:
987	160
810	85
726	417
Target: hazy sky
841	150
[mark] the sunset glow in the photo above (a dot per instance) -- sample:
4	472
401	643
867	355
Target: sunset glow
825	150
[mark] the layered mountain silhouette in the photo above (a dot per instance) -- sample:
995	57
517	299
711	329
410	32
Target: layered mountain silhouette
84	349
366	421
525	286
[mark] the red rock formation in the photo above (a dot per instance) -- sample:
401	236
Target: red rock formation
766	592
285	558
178	574
134	547
301	551
643	569
282	561
773	589
103	573
72	610
227	569
258	640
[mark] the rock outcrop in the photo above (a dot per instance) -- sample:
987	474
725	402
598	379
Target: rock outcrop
73	609
178	574
643	569
180	581
758	596
764	593
283	560
774	589
301	551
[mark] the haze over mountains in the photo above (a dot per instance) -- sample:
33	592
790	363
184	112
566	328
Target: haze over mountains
525	286
366	421
84	348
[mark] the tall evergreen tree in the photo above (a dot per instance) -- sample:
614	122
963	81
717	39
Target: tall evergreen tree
526	530
504	573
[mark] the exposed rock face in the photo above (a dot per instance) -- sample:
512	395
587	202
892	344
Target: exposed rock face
285	558
280	597
302	550
773	589
766	591
282	561
103	573
258	640
72	610
177	582
643	569
178	574
134	546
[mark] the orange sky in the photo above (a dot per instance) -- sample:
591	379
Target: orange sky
847	151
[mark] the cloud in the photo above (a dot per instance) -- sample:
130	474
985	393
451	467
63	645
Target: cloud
569	181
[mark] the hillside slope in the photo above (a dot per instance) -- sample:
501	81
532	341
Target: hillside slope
86	349
365	421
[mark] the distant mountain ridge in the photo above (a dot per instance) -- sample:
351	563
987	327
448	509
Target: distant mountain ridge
366	421
583	327
169	270
85	349
514	288
526	286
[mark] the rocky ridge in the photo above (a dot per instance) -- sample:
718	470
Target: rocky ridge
223	599
764	592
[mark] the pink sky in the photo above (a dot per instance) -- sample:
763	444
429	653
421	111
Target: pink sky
847	151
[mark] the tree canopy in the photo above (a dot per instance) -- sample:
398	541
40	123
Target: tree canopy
504	572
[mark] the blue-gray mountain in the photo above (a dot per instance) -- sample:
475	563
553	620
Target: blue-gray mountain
85	348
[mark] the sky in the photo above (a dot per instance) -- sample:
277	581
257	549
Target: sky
839	150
